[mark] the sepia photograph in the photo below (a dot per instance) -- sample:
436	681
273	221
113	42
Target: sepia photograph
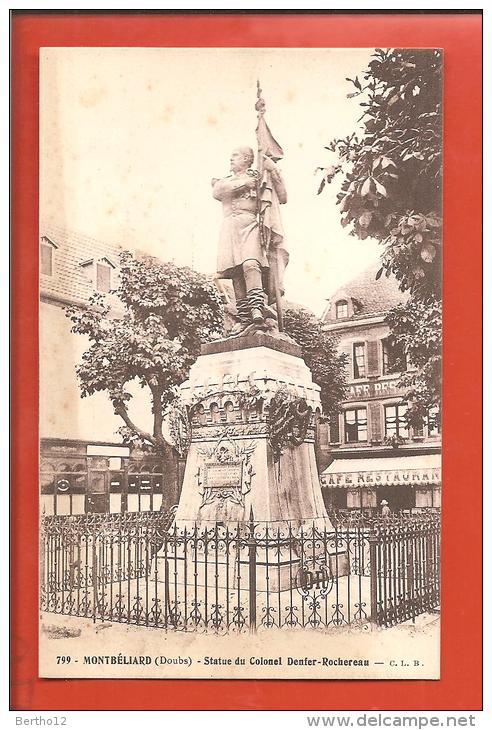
240	362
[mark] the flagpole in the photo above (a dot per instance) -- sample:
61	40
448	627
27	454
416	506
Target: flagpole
260	108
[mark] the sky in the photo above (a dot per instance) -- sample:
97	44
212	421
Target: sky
130	139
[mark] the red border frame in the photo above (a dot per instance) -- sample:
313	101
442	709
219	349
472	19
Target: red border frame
460	687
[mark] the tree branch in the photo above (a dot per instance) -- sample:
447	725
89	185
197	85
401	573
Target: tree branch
121	411
157	440
157	392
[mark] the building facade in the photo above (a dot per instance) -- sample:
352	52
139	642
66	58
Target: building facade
84	465
375	455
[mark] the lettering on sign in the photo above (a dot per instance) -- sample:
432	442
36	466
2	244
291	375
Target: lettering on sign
377	389
225	471
382	477
217	476
53	448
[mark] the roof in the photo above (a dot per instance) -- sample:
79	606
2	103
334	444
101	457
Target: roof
73	252
296	307
370	295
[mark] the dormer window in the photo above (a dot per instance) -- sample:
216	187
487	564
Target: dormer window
100	273
342	309
46	256
103	277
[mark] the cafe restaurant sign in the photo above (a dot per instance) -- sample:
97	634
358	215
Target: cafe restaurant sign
373	389
383	477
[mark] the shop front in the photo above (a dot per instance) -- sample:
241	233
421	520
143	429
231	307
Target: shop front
78	478
407	482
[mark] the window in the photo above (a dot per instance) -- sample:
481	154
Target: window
356	425
434	422
394	358
418	431
359	360
342	309
99	273
337	499
46	260
395	423
46	256
103	278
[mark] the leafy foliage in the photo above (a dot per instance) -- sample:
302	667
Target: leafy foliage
391	191
319	350
417	326
168	312
391	188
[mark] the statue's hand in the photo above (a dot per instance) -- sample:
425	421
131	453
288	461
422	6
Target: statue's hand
268	164
250	183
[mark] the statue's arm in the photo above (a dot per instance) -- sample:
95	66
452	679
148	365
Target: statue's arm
277	179
229	186
218	189
279	185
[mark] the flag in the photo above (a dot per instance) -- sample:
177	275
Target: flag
272	232
267	144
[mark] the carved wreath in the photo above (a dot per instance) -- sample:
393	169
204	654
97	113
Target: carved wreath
288	421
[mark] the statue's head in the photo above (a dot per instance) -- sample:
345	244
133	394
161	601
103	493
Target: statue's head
241	159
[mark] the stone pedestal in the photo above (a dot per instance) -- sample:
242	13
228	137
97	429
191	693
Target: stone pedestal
230	467
234	472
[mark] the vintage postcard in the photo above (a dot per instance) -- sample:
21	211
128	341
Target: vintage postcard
240	349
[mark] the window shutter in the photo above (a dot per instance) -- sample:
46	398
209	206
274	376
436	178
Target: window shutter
334	429
372	349
375	422
346	349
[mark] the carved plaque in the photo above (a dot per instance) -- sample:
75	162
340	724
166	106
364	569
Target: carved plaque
226	471
218	476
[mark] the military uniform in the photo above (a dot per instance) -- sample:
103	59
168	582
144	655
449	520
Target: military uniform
240	234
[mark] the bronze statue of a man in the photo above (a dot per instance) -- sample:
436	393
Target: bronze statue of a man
243	254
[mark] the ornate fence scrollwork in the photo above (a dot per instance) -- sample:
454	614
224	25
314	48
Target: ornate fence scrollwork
138	568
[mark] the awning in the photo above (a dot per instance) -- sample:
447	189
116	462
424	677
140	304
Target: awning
417	470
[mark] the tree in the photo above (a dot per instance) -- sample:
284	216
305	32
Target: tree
416	325
391	191
319	351
168	312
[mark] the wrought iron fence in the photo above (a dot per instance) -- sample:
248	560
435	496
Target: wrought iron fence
405	556
145	569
